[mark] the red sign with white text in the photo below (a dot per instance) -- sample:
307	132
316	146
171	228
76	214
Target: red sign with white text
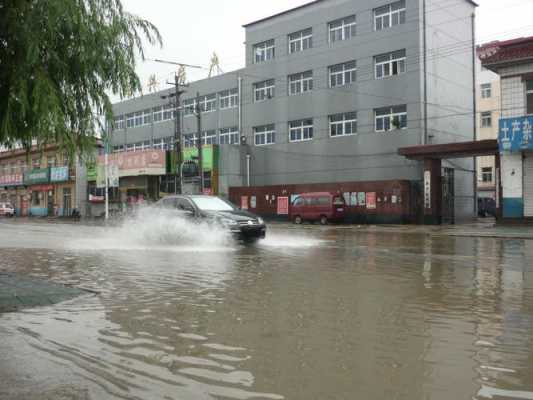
147	162
11	179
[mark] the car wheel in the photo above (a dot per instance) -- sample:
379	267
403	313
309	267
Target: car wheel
298	220
323	220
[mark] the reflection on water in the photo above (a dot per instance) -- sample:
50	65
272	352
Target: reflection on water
332	314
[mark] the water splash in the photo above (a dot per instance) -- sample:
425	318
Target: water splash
155	229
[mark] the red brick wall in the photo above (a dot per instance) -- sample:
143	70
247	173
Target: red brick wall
385	210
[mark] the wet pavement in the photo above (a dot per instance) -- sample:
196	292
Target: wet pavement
312	313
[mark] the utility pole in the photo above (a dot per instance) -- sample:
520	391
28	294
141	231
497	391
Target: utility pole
199	142
177	130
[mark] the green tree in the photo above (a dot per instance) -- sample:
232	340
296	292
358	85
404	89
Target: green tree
59	61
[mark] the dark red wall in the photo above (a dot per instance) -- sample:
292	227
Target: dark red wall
386	211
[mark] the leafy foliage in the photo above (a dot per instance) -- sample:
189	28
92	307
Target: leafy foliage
59	60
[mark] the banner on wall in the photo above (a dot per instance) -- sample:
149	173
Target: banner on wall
283	206
244	202
371	200
361	199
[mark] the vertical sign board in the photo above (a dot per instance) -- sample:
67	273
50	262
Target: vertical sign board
371	200
283	206
427	190
244	202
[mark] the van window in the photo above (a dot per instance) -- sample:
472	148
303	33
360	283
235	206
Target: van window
323	201
299	201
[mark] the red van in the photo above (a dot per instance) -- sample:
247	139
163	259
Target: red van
321	206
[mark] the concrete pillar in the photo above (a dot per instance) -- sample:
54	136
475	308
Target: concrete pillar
432	192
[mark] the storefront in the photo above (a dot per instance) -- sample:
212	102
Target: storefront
210	162
64	191
13	191
516	147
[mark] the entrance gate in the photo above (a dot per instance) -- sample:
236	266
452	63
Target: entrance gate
448	196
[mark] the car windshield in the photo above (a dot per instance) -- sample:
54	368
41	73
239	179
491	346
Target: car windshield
212	204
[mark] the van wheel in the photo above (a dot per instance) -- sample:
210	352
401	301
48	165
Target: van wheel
323	220
298	220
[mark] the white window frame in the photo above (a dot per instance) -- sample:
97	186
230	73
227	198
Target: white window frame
209	137
344	124
264	90
157	114
486	90
301	82
266	135
344	74
390	64
388	115
208	103
301	130
229	135
189	139
139	118
130	120
264	51
486	119
119	122
169	112
300	41
389	15
342	29
189	107
487	171
229	98
147	116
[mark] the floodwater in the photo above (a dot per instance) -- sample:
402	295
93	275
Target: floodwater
183	313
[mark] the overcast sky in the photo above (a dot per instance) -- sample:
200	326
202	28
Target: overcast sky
192	30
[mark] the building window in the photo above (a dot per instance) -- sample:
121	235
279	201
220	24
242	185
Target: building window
208	103
130	120
390	64
138	118
486	119
529	97
147	117
130	147
158	114
118	149
486	91
343	124
342	74
389	15
300	131
168	112
300	41
390	118
264	90
264	51
189	140
189	107
342	29
264	135
209	137
50	162
229	98
486	174
300	83
119	122
229	136
36	163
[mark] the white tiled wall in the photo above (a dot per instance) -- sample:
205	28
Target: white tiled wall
513	91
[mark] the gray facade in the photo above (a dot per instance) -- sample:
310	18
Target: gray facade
365	154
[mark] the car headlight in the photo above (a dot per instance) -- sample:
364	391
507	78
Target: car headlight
228	222
260	220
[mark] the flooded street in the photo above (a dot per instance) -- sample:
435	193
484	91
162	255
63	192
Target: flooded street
309	313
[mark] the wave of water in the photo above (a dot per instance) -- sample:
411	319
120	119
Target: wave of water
153	229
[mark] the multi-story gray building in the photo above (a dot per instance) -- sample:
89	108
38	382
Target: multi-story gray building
329	92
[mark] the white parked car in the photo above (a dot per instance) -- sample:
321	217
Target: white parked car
7	210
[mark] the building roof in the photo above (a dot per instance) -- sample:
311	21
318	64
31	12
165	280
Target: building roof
499	52
451	150
305	6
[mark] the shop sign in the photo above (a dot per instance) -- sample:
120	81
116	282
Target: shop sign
191	153
371	200
148	162
37	176
516	134
11	180
42	188
427	190
112	176
361	199
283	206
59	174
91	173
